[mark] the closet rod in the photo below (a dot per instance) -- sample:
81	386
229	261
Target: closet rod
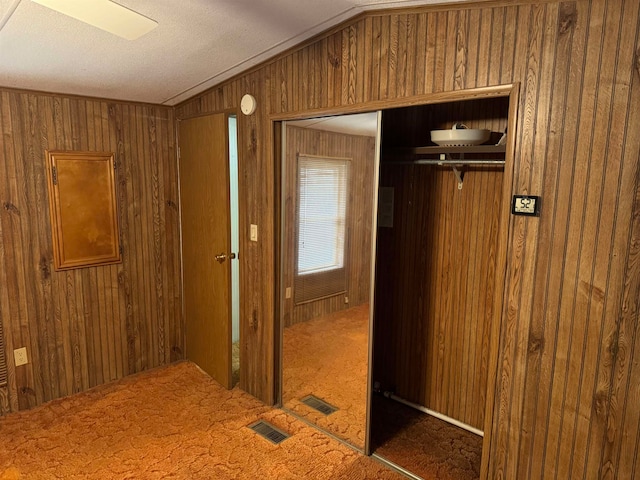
435	414
449	162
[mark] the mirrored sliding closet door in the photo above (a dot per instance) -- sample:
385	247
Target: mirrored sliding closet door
328	190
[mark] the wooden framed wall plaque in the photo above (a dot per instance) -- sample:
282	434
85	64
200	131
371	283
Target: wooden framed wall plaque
83	210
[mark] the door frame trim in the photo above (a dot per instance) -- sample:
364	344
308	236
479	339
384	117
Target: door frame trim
512	91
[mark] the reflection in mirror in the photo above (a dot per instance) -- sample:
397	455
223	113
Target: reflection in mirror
328	190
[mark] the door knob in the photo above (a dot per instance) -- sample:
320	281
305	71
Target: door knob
222	257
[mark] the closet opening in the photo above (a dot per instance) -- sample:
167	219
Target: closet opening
443	212
430	294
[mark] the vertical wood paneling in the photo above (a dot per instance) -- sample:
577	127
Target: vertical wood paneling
77	325
613	192
361	150
439	325
540	66
621	454
566	393
5	404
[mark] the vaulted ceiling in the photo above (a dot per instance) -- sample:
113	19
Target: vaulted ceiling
197	44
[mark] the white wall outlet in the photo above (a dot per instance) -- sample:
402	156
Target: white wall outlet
346	299
20	356
287	292
254	233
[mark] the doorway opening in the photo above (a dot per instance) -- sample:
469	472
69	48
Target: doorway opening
439	283
235	247
439	248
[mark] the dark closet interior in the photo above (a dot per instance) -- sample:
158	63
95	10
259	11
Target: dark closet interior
435	286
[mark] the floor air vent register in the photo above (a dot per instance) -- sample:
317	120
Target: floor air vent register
318	404
268	431
3	362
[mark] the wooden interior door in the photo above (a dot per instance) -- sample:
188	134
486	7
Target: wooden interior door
204	191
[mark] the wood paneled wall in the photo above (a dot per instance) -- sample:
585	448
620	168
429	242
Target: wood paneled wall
5	405
411	126
85	327
569	365
435	283
361	150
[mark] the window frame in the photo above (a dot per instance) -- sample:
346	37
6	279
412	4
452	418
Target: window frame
329	282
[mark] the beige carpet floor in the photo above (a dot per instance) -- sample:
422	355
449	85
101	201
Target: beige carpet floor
170	422
424	445
235	363
327	357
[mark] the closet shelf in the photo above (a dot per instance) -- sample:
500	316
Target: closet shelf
436	150
446	154
445	157
454	155
462	161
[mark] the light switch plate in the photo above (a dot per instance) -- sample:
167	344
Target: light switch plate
254	233
528	205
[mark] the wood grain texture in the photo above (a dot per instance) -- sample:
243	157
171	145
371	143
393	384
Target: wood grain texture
87	326
206	232
5	406
566	390
567	387
361	152
83	209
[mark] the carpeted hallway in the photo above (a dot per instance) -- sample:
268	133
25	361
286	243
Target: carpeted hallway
170	422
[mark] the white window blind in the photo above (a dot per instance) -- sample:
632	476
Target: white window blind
321	226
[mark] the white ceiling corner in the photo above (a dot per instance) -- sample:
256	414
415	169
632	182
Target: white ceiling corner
197	44
365	124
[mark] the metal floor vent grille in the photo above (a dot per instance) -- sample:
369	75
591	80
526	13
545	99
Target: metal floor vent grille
269	432
318	404
3	363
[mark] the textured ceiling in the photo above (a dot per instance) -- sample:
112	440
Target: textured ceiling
354	124
197	44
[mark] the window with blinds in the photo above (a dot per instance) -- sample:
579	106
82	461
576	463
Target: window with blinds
321	227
